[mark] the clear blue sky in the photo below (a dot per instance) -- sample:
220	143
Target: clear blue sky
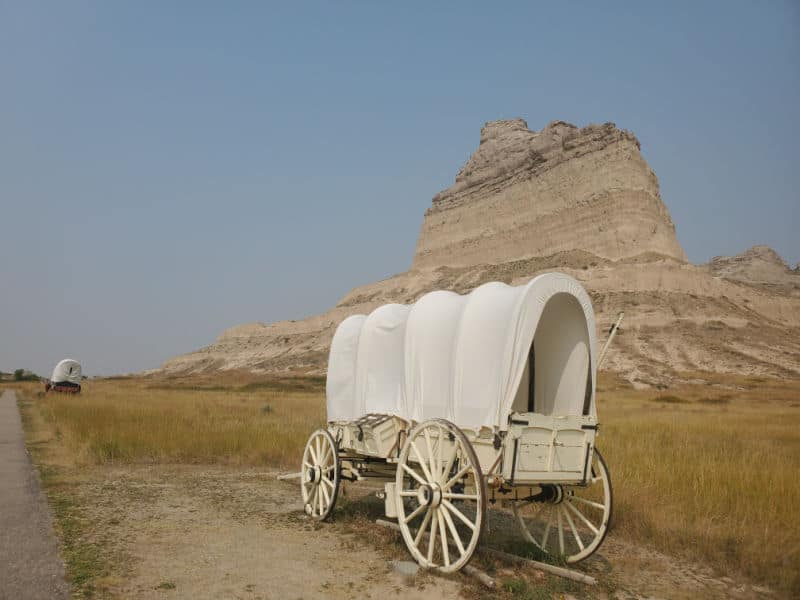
170	169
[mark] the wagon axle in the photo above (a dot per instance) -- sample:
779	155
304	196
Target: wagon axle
550	493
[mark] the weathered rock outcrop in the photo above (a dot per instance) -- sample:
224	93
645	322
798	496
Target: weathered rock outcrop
581	201
524	194
758	265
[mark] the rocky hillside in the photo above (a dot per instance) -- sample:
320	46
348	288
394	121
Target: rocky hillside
585	202
758	265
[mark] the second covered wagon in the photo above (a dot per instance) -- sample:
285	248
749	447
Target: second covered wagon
456	401
66	377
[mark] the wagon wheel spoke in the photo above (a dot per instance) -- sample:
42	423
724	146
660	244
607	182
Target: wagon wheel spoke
572	528
416	512
325	495
452	527
455	496
454	479
547	530
422	528
449	465
328	453
432	538
581	516
459	514
443	533
313	499
588	502
431	457
440	475
421	460
413	474
582	511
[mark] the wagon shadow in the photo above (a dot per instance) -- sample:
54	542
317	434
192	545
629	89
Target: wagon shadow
358	509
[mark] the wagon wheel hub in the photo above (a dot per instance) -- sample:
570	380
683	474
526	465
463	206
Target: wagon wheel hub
430	495
315	475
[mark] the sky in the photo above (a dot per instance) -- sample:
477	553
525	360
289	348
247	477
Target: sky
171	169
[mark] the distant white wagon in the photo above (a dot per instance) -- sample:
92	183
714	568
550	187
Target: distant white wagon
66	377
457	401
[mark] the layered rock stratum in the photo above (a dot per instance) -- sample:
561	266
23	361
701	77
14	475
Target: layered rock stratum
582	201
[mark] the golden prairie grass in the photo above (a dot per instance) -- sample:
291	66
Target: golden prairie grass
706	471
709	472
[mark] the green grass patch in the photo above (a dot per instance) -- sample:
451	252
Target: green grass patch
669	399
165	585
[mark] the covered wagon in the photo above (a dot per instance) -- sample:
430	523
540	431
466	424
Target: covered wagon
458	401
66	377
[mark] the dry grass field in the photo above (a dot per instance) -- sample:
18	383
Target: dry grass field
705	471
709	471
235	420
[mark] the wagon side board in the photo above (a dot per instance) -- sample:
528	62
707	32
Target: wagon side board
536	449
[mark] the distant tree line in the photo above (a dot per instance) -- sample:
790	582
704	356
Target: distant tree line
25	375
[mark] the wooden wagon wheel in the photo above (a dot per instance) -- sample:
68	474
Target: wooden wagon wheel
319	483
568	520
439	474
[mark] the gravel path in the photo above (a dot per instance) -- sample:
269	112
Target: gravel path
30	566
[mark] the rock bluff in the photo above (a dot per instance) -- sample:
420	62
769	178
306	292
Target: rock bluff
524	194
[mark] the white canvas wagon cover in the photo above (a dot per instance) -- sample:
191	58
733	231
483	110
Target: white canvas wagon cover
472	359
67	370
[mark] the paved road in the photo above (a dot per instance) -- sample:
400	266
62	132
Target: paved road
30	566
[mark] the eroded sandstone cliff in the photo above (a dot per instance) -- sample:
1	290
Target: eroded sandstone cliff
525	193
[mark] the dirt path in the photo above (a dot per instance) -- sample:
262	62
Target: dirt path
200	532
30	566
184	532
